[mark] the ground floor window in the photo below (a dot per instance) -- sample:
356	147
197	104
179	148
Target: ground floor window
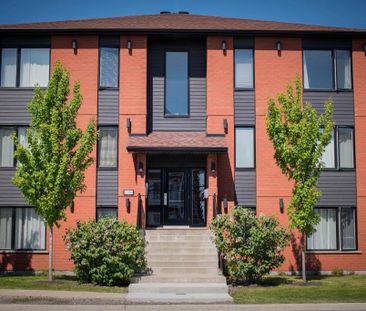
21	228
103	211
335	231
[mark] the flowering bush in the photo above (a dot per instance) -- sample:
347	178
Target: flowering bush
251	246
107	252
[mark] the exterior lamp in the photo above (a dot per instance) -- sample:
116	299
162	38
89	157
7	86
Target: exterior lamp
225	125
72	205
74	45
128	205
282	206
279	47
225	205
128	123
129	46
213	167
141	167
224	46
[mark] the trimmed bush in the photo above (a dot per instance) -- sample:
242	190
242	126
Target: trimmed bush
251	246
107	252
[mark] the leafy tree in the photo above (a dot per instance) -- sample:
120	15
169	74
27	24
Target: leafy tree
51	168
299	137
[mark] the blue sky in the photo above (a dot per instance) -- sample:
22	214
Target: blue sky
344	13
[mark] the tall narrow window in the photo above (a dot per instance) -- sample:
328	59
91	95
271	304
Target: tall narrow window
176	76
346	150
318	69
107	147
6	227
343	60
244	147
329	154
34	67
22	136
6	147
108	71
348	223
243	68
8	67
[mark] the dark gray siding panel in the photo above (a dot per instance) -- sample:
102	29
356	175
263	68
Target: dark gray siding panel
244	107
245	188
176	161
10	195
197	86
312	43
243	43
26	41
108	102
13	106
338	188
343	112
107	188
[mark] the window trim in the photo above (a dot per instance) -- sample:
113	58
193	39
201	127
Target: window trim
239	89
167	116
105	206
107	168
339	236
13	232
100	88
334	70
238	168
18	62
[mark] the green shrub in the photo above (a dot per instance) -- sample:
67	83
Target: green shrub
251	246
107	252
337	272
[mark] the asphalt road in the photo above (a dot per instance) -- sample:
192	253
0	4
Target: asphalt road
299	307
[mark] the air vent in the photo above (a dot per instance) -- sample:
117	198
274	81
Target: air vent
165	12
183	12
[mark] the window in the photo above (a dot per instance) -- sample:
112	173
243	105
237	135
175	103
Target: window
108	70
6	147
335	231
107	147
21	228
243	68
321	66
9	67
343	138
244	147
346	151
176	84
106	212
22	136
34	67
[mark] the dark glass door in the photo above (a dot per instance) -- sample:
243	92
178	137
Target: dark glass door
154	198
198	187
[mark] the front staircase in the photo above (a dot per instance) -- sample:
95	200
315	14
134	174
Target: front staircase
184	269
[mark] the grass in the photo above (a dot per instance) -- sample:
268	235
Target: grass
68	283
320	289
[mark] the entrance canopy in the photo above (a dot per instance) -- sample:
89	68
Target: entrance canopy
177	142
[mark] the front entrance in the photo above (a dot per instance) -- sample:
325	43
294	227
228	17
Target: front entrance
175	196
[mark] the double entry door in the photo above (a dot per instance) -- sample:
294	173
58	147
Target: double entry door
176	197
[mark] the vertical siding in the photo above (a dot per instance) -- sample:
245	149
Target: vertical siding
108	102
245	188
10	195
244	102
13	106
197	86
343	108
107	187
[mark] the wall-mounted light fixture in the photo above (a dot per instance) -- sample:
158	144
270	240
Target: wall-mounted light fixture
279	47
282	206
128	205
74	45
225	204
224	46
213	167
226	125
129	46
141	167
72	205
128	123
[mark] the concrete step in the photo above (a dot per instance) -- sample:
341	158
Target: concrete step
183	270
170	251
179	288
156	298
182	244
188	231
183	263
179	238
179	278
182	257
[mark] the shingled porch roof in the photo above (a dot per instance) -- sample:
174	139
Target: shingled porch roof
177	142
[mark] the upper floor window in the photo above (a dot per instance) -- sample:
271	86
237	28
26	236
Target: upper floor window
244	147
7	144
108	67
107	147
176	84
327	69
32	68
243	68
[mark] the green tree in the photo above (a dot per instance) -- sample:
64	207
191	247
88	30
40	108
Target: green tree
50	170
299	137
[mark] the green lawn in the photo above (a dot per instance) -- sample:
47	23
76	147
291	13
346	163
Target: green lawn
61	283
323	289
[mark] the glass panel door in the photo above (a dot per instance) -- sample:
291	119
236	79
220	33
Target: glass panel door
174	201
198	200
154	215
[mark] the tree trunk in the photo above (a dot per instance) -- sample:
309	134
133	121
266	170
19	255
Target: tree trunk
303	259
50	255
